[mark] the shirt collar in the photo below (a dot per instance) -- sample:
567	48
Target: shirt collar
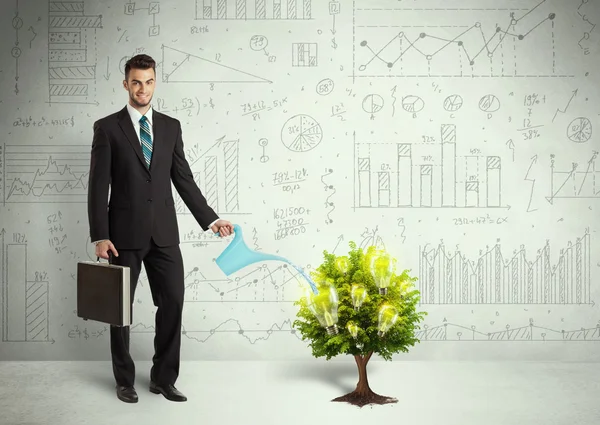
135	114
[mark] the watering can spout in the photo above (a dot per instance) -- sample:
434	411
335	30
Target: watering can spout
237	255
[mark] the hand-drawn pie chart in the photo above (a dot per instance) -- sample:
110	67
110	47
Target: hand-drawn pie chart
453	103
412	104
301	133
372	103
579	130
489	103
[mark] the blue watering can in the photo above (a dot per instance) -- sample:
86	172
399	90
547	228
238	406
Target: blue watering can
237	255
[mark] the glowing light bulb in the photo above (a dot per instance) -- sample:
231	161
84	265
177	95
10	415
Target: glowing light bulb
358	293
388	315
324	306
353	329
382	269
343	264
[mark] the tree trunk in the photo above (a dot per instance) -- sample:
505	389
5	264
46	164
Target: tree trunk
363	394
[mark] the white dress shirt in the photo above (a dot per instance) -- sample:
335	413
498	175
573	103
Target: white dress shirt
135	116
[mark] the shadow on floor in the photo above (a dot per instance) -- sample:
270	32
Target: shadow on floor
103	379
342	376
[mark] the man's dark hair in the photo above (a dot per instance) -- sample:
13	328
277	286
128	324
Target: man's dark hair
139	62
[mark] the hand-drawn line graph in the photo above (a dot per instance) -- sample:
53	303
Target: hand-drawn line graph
45	173
71	53
219	179
243	10
182	67
501	42
530	332
388	175
25	303
228	326
582	181
446	278
265	283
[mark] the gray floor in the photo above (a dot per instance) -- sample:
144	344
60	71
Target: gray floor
236	393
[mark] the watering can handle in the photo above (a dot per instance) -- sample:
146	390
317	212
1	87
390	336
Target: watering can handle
236	229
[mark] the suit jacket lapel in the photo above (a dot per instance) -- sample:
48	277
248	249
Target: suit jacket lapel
127	127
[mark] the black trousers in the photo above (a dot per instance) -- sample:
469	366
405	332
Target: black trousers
164	268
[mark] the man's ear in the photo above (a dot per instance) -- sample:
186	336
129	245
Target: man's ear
125	84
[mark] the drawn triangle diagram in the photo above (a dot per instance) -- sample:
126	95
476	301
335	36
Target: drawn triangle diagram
183	67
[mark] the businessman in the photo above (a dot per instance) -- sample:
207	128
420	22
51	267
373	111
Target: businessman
136	153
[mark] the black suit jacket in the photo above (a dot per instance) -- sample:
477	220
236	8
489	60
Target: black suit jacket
141	204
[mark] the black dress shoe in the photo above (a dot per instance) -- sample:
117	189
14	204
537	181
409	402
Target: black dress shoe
127	394
168	391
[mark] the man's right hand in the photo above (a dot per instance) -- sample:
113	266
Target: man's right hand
103	247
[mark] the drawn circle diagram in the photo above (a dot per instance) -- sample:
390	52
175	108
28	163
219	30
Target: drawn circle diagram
17	23
412	103
489	103
372	103
579	130
258	42
122	63
301	133
324	87
453	103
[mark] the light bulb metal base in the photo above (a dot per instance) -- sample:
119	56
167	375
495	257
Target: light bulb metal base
383	291
332	330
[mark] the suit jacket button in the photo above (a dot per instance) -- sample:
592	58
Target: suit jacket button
148	181
150	200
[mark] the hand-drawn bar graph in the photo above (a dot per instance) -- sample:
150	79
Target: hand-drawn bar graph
388	175
219	180
25	313
446	278
304	54
253	9
71	60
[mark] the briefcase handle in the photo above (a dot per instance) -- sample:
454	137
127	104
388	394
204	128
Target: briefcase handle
110	257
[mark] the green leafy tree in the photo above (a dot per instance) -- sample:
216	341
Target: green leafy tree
360	297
